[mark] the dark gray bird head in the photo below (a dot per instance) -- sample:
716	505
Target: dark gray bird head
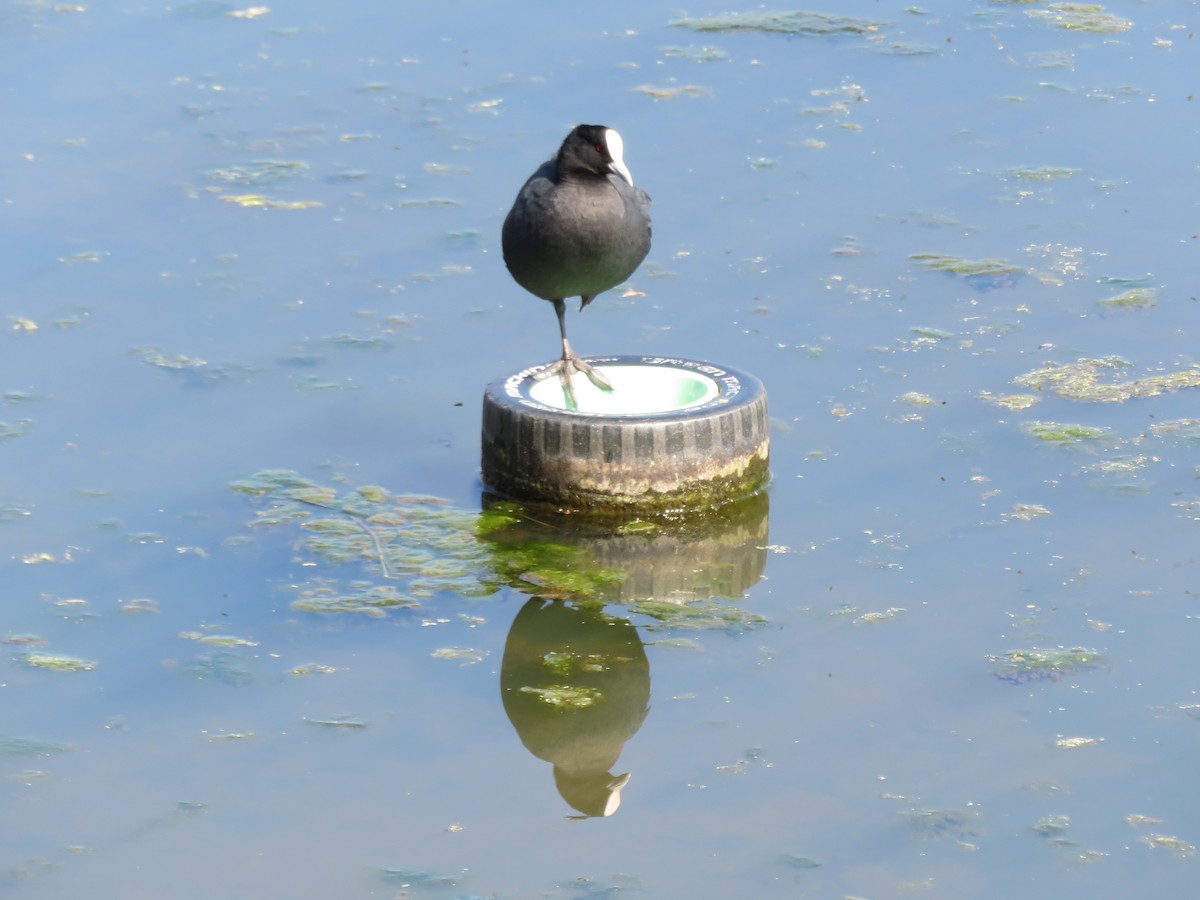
593	150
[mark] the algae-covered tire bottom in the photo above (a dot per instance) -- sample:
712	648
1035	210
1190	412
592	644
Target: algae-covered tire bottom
672	435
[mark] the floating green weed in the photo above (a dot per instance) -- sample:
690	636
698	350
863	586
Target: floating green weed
1026	512
1134	298
23	640
1063	433
679	643
197	370
1186	431
567	664
1088	17
556	572
566	697
404	550
1042	173
671	91
968	268
1014	402
361	598
1122	464
1039	664
466	656
1081	380
1053	828
422	543
262	171
1075	743
228	641
779	22
928	333
260	200
347	722
1176	845
312	669
57	663
908	48
704	54
697	615
13	429
417	878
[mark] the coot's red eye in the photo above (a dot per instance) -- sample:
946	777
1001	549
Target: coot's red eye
598	149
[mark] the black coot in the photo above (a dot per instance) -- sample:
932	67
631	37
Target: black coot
577	228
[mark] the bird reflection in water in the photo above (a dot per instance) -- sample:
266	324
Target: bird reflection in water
576	686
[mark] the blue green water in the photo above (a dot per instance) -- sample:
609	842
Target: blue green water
270	242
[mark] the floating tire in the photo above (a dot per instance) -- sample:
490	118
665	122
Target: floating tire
673	436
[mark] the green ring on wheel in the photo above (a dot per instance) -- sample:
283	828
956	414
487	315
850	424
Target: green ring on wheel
676	435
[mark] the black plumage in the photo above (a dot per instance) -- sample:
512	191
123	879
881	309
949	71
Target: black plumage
578	227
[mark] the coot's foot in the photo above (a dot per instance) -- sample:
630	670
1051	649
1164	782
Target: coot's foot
567	367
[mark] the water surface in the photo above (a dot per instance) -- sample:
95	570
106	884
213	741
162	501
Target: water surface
269	241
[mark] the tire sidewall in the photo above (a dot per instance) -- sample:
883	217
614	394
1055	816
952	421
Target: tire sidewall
734	388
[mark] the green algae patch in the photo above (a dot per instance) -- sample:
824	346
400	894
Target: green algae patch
410	547
349	723
360	598
1013	402
466	656
703	54
1185	431
1094	380
566	697
417	878
1045	664
696	615
808	24
1134	298
414	547
227	641
570	664
1177	846
930	334
968	268
1064	433
679	643
13	429
1087	17
258	172
1026	512
556	572
671	92
57	663
264	202
1053	828
1121	464
1042	173
303	671
369	552
916	399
